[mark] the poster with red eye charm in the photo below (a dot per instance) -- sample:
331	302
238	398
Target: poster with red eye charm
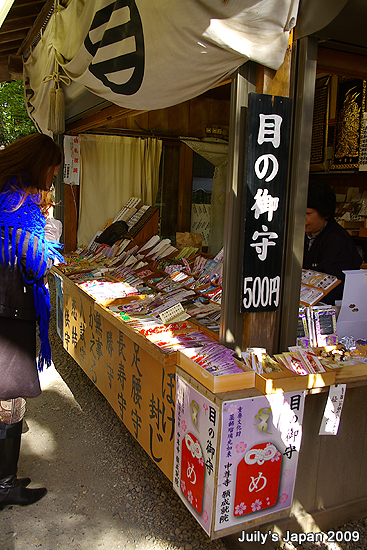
260	441
197	421
192	471
258	473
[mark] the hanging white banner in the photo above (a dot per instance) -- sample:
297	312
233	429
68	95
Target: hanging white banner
148	55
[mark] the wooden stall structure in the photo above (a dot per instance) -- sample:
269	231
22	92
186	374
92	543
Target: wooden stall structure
167	400
134	376
318	502
137	378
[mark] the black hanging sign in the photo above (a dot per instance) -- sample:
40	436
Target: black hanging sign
268	125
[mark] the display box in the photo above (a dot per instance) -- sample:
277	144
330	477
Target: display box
265	383
249	379
294	382
198	326
315	286
352	224
351	373
345	372
164	356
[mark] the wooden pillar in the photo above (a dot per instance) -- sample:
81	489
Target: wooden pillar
71	209
261	329
243	82
304	91
239	331
185	188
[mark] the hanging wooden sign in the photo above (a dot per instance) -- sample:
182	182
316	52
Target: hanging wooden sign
266	169
350	106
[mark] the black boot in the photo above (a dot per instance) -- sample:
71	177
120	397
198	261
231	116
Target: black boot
13	490
12	433
24	481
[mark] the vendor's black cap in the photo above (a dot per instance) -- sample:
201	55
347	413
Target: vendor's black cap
321	198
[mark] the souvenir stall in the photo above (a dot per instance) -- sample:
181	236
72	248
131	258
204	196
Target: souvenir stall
244	433
227	432
141	319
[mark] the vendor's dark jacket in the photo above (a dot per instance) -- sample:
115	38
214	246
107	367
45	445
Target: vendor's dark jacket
333	251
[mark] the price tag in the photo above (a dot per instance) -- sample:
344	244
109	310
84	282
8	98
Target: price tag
174	313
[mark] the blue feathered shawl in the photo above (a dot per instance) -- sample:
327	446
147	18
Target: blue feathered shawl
29	218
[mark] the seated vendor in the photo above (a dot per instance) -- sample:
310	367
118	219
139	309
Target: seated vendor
328	246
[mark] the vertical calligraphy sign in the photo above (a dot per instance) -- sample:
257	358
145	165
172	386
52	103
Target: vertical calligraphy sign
266	172
71	160
195	459
260	442
138	387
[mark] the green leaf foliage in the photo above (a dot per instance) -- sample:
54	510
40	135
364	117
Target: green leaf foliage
14	119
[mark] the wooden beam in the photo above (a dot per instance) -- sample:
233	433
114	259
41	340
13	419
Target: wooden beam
102	117
15	67
36	25
341	63
9	48
26	10
22	23
21	3
12	36
4	73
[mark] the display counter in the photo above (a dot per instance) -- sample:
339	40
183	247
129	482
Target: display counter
133	375
241	450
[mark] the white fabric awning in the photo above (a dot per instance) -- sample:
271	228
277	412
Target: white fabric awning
144	54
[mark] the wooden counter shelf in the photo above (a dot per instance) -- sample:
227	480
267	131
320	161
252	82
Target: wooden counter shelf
292	382
250	380
139	379
346	374
163	356
351	373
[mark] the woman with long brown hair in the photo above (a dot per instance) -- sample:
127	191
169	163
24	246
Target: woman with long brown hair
27	169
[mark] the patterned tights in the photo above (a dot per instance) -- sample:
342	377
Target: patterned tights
12	410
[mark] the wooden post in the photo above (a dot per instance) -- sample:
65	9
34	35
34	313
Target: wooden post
185	188
261	329
304	83
71	209
239	331
231	327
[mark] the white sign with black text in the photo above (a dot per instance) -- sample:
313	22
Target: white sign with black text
333	410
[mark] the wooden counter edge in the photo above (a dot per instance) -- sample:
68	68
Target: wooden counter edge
152	349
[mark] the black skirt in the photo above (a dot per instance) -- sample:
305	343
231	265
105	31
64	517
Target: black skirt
18	369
